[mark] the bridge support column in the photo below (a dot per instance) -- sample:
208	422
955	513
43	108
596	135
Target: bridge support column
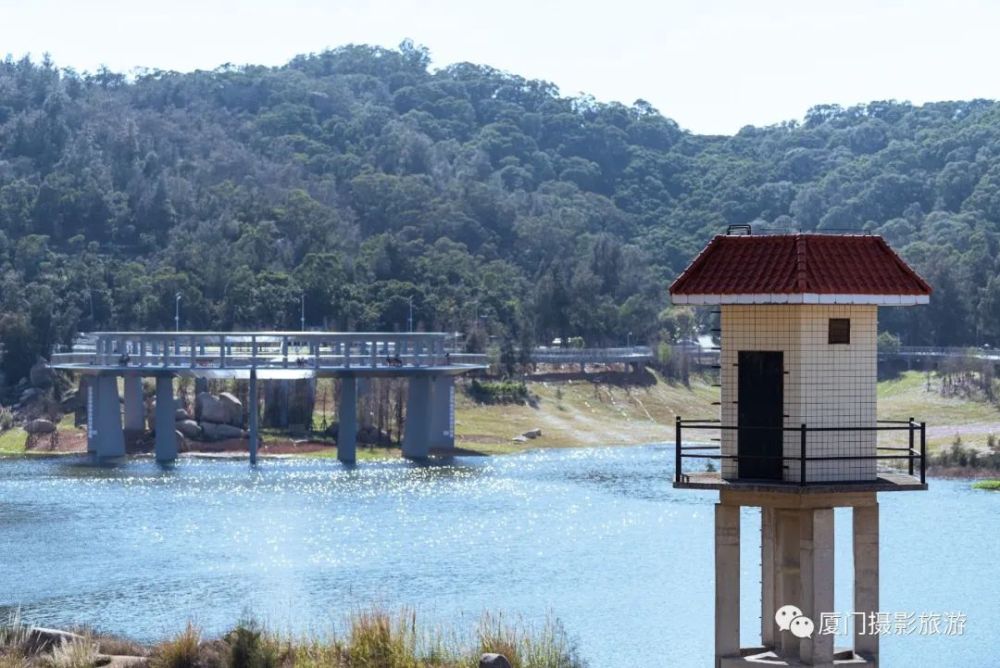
166	409
347	418
135	419
254	416
92	412
442	417
416	433
110	438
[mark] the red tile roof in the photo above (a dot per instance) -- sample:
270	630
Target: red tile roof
799	264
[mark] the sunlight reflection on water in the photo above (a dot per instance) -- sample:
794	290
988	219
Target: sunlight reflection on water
596	536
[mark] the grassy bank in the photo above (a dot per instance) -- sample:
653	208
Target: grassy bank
579	411
371	639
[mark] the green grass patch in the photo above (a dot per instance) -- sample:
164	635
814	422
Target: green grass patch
12	441
990	485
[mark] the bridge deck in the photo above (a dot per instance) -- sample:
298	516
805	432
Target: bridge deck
285	355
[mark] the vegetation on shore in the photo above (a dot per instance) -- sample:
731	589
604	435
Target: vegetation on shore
374	638
365	180
990	485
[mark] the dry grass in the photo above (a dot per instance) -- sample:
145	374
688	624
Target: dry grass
181	651
77	653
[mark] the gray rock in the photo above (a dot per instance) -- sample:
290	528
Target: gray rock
533	433
493	661
519	439
40	426
41	639
234	409
189	428
180	414
214	431
210	408
41	375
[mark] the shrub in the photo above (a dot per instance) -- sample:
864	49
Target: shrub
249	647
989	485
498	392
6	418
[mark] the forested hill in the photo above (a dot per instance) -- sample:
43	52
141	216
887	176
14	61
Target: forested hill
361	178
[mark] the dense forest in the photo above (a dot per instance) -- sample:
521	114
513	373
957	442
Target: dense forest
365	181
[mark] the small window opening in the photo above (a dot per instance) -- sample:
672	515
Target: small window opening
840	330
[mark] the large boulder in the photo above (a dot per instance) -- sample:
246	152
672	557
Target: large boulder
180	414
40	426
491	660
210	408
234	409
533	433
189	428
214	431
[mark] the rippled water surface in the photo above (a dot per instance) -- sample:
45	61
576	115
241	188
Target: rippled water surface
596	536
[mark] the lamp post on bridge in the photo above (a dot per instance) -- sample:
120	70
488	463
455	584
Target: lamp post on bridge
628	340
302	317
410	319
177	312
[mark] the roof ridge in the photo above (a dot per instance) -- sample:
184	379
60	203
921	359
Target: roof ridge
800	263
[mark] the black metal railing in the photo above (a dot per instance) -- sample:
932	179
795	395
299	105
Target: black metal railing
912	455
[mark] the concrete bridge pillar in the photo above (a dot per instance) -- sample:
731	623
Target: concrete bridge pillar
816	571
253	421
416	433
135	418
347	417
91	386
110	440
442	417
166	407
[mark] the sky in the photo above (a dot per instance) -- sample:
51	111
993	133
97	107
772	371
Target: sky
714	66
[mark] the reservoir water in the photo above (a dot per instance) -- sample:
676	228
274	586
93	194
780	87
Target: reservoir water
596	537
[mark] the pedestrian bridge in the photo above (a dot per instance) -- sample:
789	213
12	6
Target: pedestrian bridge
424	359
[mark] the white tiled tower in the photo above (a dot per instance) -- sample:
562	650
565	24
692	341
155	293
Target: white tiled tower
798	426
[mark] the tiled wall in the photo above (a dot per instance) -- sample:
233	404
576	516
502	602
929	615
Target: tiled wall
825	385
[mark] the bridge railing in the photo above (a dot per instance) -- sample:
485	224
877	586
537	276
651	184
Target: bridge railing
591	355
227	350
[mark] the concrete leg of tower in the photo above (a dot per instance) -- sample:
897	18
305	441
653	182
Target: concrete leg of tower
727	582
135	418
866	577
347	418
816	568
767	577
416	433
110	437
442	418
165	444
788	589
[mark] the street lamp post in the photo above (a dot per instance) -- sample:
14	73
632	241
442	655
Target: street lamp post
177	312
629	339
410	320
303	313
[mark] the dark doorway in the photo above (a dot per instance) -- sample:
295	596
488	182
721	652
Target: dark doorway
760	404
